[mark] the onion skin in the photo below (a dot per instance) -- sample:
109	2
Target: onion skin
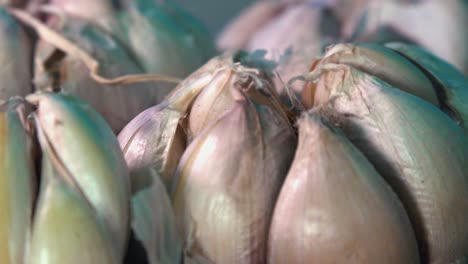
333	203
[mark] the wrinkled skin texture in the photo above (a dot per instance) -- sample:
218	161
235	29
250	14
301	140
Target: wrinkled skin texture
333	204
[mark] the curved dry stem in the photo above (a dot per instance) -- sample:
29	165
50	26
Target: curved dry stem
60	42
314	75
295	102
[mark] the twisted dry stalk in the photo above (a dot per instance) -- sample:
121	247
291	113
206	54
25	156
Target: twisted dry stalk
60	42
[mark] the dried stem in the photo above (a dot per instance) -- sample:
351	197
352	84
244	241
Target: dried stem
60	42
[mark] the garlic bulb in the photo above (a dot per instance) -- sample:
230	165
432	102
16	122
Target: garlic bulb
158	136
227	182
425	166
333	203
451	84
377	61
98	177
153	220
17	183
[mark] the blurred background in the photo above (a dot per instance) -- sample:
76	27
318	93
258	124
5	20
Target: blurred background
214	13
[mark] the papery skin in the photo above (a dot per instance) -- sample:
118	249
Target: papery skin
17	184
118	104
88	149
212	102
335	208
385	64
15	55
66	227
453	83
217	96
153	220
155	138
228	180
418	149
